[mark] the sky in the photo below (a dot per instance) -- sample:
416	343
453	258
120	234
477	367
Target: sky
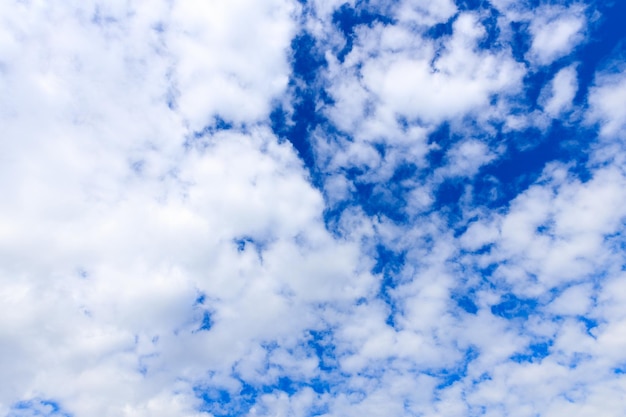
299	208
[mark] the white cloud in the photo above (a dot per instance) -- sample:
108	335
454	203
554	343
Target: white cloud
145	261
124	229
557	97
575	300
111	227
606	103
399	77
397	84
230	60
478	234
557	233
556	31
460	80
466	158
426	12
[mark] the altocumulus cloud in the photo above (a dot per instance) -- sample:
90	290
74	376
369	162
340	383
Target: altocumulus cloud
312	208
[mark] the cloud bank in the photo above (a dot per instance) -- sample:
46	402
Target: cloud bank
312	208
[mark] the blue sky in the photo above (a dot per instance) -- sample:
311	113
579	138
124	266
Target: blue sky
313	208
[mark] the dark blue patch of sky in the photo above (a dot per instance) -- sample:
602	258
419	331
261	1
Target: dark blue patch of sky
449	376
511	307
321	344
535	352
347	19
607	43
38	407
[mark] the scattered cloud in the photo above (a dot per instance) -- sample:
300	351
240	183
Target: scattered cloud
604	103
559	95
309	208
556	31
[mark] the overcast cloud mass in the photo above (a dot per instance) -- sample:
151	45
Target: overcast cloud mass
223	208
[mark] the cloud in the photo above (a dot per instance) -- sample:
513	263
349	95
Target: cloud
558	97
555	32
426	13
557	233
604	107
420	84
575	300
230	61
120	214
466	158
168	247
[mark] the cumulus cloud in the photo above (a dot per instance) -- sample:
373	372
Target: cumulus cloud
556	31
466	158
420	83
230	60
426	13
126	232
605	103
558	96
169	248
556	232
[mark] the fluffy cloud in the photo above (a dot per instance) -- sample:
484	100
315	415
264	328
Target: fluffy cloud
605	103
556	31
164	250
230	61
119	217
558	96
426	13
419	81
554	233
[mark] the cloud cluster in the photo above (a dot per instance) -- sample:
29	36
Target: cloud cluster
132	224
436	227
555	31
